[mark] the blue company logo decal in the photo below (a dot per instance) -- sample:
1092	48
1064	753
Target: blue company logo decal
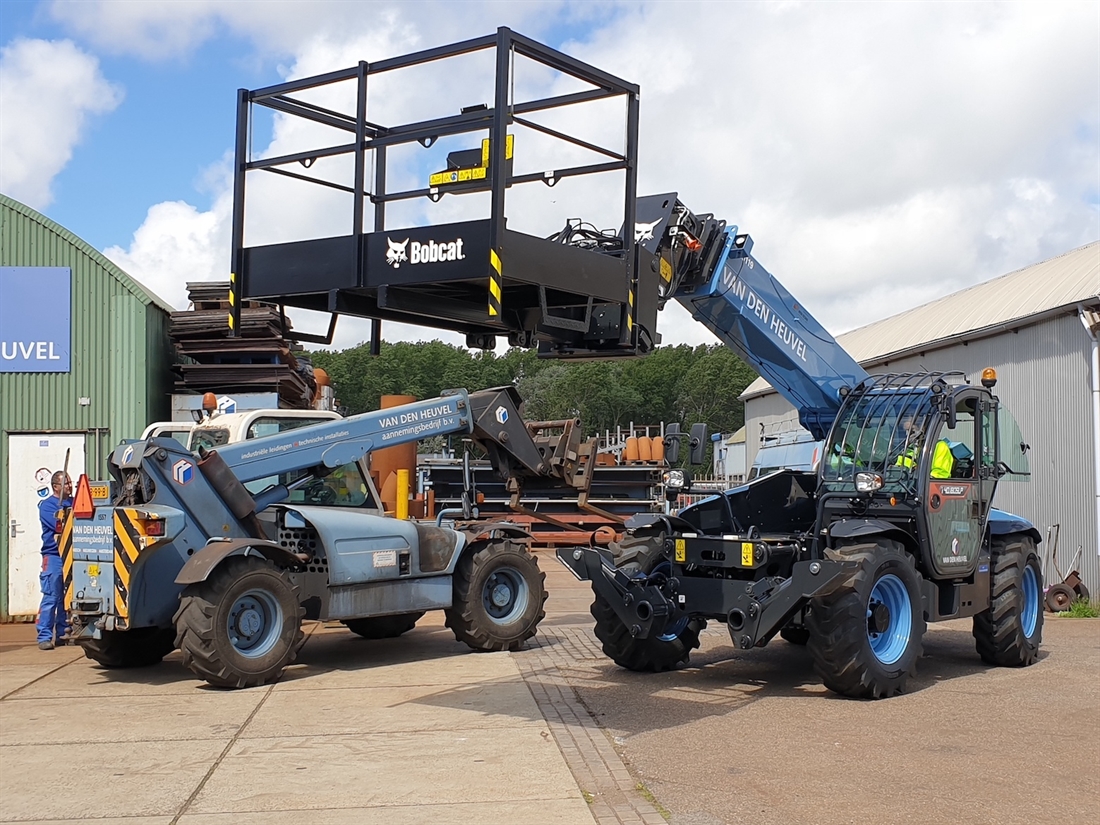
127	454
502	415
35	318
183	471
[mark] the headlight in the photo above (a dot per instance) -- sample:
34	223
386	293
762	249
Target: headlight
674	479
868	482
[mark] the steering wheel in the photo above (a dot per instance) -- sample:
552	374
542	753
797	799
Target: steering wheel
319	493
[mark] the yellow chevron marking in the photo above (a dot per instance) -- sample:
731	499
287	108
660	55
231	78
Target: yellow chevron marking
123	526
494	288
231	320
120	605
66	546
494	259
121	571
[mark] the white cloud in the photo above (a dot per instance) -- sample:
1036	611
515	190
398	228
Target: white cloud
177	243
48	92
880	155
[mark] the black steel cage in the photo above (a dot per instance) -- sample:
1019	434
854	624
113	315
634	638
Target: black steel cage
572	298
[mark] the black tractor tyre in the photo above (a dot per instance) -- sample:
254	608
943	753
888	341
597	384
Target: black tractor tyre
1060	598
653	654
1082	591
1009	631
242	626
383	627
865	636
795	635
499	596
140	647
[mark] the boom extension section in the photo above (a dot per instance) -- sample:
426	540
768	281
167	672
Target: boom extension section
708	267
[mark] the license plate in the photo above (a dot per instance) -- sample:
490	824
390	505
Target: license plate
101	491
93	569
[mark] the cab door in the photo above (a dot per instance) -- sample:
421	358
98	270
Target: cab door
958	498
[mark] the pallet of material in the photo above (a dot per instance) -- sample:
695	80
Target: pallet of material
260	322
214	295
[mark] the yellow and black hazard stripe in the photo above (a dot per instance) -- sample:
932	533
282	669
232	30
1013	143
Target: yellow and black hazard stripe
66	547
630	310
128	543
495	281
232	297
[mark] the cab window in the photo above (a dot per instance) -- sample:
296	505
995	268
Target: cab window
343	487
953	453
271	425
1012	447
208	439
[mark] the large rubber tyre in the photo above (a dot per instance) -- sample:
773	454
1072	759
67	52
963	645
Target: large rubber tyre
383	627
242	626
140	647
865	637
1008	633
499	597
655	654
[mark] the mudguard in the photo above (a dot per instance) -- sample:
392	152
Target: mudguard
1002	523
199	567
858	528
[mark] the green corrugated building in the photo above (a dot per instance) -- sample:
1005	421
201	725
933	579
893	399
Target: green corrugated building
85	361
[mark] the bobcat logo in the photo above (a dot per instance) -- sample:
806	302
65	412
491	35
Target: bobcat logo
644	231
396	253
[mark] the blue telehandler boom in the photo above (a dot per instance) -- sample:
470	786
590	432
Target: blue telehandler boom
224	552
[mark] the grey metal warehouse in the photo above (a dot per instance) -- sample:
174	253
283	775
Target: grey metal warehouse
1038	327
85	362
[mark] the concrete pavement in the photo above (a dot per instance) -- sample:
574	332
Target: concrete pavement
421	730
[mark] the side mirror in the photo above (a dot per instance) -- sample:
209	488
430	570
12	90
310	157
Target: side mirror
672	444
698	443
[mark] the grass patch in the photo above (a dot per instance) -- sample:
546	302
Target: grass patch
1082	609
647	794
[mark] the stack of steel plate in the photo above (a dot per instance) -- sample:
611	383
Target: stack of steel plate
259	359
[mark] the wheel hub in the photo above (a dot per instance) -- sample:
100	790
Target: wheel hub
879	620
249	622
501	595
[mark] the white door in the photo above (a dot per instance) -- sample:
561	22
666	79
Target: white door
32	459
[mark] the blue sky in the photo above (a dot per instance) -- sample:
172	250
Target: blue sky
176	118
881	155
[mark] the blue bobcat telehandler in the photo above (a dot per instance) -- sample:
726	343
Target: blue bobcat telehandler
894	530
223	553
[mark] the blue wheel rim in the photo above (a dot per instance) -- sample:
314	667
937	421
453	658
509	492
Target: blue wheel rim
1029	616
505	595
890	644
254	623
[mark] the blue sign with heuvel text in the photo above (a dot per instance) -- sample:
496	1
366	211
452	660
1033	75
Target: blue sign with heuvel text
35	318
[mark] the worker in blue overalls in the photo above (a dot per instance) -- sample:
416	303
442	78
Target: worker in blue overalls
53	624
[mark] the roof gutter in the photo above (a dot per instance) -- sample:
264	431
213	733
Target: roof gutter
962	337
